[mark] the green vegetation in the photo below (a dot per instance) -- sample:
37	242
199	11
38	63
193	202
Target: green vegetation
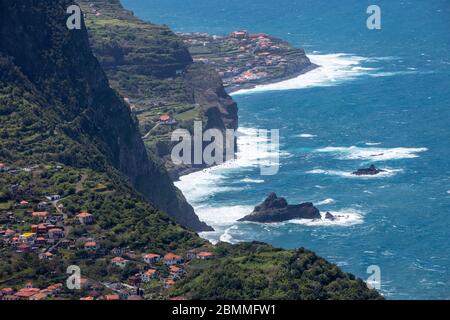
258	271
64	131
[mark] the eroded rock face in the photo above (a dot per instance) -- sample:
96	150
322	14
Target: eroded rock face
277	209
371	171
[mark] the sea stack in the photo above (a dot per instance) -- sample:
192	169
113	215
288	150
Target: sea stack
276	209
371	171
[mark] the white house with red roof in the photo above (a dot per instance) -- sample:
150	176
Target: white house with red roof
151	258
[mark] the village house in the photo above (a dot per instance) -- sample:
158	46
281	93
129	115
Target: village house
166	119
42	205
46	256
85	218
168	283
24	204
151	258
148	275
39	296
40	215
53	197
40	241
204	255
239	34
23	248
112	297
27	238
176	272
91	246
119	262
7	291
4	167
171	259
9	233
87	298
55	234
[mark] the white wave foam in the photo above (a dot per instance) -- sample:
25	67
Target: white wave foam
249	180
334	69
344	217
373	154
200	185
388	172
307	135
326	201
222	215
227	237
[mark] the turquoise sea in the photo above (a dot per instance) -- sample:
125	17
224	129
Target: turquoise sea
381	97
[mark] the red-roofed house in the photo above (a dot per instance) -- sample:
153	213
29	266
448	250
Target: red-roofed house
38	296
166	119
55	233
151	258
85	218
172	259
119	262
87	298
91	246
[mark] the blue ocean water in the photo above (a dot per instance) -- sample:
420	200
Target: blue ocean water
381	97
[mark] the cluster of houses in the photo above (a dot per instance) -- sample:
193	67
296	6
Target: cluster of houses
158	267
31	293
253	58
45	235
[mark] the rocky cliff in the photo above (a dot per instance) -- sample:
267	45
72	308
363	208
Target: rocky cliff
152	69
276	209
61	66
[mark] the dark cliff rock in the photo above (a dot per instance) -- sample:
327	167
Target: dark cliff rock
276	209
60	64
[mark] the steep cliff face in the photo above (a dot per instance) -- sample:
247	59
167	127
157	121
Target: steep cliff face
61	66
151	66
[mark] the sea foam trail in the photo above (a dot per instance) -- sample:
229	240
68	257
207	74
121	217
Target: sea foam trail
333	69
372	154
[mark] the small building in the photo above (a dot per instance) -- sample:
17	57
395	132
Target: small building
23	248
53	197
112	297
24	204
168	283
40	215
42	205
172	259
27	237
176	272
148	275
55	234
46	256
39	296
87	298
40	241
166	119
151	258
85	218
119	262
91	246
